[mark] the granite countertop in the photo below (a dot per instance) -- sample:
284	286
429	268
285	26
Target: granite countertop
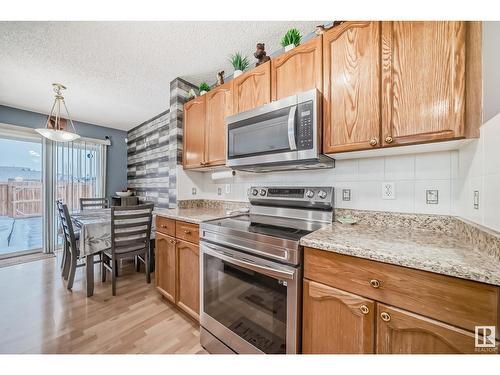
194	215
427	250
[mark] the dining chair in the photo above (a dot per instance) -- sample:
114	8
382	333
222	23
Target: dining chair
93	203
70	244
65	262
130	237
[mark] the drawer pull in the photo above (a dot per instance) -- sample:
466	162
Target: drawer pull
187	231
163	226
173	242
364	309
385	316
375	283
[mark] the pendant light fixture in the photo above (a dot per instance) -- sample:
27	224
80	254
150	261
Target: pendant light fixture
55	128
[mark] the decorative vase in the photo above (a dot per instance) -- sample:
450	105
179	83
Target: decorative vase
289	47
203	92
237	73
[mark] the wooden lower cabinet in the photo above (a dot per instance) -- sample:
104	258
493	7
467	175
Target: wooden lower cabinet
402	332
336	321
188	278
165	266
177	265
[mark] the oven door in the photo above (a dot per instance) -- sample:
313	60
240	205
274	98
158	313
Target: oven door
264	135
250	304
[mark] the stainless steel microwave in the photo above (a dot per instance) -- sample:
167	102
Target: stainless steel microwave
282	135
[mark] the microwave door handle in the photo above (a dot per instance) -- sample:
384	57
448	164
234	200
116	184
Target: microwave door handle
272	272
291	128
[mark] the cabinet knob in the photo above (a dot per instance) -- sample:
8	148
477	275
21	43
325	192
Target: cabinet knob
163	226
364	309
187	231
388	139
385	316
373	141
375	283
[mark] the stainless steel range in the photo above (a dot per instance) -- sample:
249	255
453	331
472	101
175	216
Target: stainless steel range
251	270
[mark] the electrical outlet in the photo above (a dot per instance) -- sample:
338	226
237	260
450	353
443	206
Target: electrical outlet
193	191
432	196
346	194
228	188
219	191
388	190
476	199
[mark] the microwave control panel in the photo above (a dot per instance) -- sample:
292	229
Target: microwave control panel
305	126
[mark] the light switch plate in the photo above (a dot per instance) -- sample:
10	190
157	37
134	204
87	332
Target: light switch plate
476	199
193	191
219	191
346	194
432	196
388	190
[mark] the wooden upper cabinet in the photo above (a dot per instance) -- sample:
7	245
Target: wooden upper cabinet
351	75
423	81
194	132
219	106
252	89
335	321
165	265
402	332
188	279
297	70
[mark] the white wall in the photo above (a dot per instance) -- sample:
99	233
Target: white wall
479	170
412	175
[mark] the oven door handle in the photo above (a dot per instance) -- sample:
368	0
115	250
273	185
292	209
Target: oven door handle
291	128
272	272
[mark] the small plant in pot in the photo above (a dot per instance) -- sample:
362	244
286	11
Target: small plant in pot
204	88
291	39
239	63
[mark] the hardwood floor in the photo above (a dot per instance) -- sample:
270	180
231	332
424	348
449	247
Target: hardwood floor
39	315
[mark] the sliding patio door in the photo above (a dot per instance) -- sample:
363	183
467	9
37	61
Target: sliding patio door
21	199
76	170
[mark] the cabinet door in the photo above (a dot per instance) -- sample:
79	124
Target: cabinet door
188	278
423	81
351	110
194	133
219	106
165	265
335	321
252	89
402	332
297	70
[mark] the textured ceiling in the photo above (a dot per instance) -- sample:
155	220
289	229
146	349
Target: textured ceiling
118	73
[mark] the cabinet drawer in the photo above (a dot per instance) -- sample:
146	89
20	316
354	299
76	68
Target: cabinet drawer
187	232
165	226
456	301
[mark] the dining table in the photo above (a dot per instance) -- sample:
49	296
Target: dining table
95	236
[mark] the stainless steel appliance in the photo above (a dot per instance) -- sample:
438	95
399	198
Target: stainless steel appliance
251	270
282	135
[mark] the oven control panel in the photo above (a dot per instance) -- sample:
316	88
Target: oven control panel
322	196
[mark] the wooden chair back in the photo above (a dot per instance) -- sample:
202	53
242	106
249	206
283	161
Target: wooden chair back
93	203
130	229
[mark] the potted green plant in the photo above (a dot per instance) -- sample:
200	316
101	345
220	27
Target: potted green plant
291	39
239	63
204	88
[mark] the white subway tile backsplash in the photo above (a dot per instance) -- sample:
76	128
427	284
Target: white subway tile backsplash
433	166
371	169
346	170
400	167
490	201
444	195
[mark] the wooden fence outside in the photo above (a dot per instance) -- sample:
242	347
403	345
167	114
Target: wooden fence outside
24	198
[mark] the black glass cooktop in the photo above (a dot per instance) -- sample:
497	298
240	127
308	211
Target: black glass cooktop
290	229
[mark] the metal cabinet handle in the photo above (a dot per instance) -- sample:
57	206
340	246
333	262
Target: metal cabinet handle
364	309
375	283
385	316
373	141
173	242
291	128
187	231
388	139
163	226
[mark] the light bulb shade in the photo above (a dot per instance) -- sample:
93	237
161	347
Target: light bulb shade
57	135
